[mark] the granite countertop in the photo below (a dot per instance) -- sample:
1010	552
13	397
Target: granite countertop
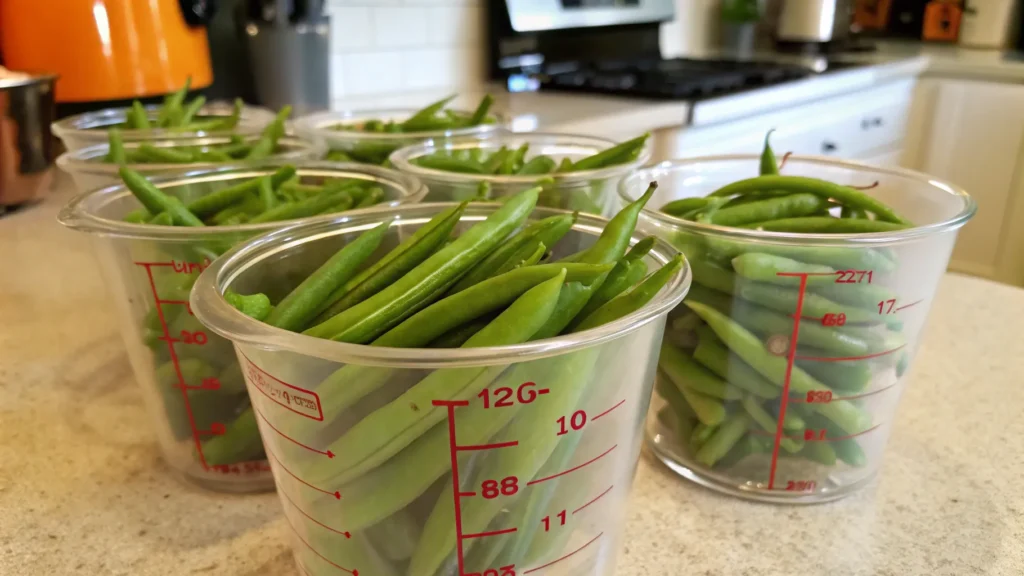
83	490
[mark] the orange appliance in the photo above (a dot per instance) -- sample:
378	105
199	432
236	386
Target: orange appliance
107	50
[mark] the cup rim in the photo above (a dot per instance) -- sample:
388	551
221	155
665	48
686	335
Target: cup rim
251	121
402	158
214	311
76	215
646	174
319	124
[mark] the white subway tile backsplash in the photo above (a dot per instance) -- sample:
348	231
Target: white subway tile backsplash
351	27
400	27
372	72
455	25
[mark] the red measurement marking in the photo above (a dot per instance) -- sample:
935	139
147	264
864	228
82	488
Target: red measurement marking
489	446
621	402
216	429
327	453
453	449
849	358
837	398
491	533
790	361
307	401
599	496
168	339
466	494
573	469
337	495
576	551
315	521
242	467
817	437
353	571
174	359
905	306
804	274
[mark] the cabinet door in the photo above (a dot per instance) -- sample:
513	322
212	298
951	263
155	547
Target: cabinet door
974	140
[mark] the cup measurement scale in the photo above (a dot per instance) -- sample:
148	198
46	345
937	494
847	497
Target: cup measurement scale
302	403
191	338
789	347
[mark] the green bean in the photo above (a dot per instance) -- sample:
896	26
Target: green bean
478	300
301	304
537	165
685	205
373	196
633	300
116	146
610	246
823	188
819	452
686	373
547	231
191	110
156	200
221	199
162	219
306	208
239	442
769	165
391	428
523	257
496	160
711	276
152	153
480	114
724	438
254	306
267	142
378	313
626	274
421	120
618	154
450	164
266	191
848	212
845	376
814	306
138	118
456	337
779	270
749	348
711	353
827	224
788	207
850	452
172	105
768	423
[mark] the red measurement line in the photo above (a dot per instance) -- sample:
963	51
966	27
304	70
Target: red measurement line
353	572
465	494
621	402
909	305
183	302
803	399
826	439
599	496
148	264
169	339
456	493
327	453
848	358
315	521
566	556
174	360
491	533
804	274
587	463
489	446
790	361
337	495
848	436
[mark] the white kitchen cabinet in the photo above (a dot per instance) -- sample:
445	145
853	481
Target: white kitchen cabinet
970	133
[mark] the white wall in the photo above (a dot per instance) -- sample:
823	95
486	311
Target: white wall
404	52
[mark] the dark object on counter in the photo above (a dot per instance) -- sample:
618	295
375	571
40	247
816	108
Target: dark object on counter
906	19
27	150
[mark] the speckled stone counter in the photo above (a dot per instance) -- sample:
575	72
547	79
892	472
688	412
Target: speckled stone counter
83	490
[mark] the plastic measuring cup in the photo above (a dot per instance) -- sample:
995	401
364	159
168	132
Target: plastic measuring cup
541	443
375	147
588	191
829	337
90	172
88	129
190	377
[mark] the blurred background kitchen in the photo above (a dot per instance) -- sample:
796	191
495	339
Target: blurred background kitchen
933	85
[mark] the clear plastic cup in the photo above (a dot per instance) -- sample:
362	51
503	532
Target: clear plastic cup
89	171
838	332
543	440
375	147
190	378
82	130
588	191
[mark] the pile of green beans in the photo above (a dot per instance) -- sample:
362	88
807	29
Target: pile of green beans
492	285
723	361
178	115
239	148
434	117
275	197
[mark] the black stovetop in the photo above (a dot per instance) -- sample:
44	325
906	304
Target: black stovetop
675	79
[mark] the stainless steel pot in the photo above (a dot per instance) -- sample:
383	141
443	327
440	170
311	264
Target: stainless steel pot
27	150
